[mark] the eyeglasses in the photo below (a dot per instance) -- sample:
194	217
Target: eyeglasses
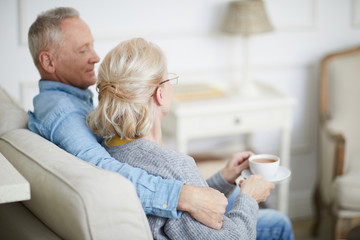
173	79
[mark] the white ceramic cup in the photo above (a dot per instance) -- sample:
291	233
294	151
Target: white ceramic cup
264	164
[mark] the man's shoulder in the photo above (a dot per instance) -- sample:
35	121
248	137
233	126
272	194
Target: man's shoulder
59	95
51	107
53	101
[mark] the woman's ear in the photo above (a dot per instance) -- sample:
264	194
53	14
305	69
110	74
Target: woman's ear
158	96
47	61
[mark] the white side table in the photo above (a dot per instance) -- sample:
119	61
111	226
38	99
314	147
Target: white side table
231	115
13	186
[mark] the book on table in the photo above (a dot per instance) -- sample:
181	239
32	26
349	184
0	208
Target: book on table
196	91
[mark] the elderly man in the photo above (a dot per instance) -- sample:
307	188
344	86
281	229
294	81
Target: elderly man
61	45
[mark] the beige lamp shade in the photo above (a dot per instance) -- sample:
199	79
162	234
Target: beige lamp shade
246	17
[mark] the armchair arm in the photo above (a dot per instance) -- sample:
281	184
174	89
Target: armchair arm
334	133
331	159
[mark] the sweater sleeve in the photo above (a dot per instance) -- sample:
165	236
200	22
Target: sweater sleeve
218	182
238	223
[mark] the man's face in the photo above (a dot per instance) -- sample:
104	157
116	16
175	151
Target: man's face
76	58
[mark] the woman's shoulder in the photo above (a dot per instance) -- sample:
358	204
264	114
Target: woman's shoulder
162	152
170	163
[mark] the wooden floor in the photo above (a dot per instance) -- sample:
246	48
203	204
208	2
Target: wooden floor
302	230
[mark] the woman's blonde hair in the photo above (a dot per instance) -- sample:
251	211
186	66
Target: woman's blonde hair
128	77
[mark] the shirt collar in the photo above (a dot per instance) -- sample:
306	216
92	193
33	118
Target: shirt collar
45	85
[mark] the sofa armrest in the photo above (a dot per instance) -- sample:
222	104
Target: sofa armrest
73	198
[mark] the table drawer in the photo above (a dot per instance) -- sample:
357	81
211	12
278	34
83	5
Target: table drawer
232	123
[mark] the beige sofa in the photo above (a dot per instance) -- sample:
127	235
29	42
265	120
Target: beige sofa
70	199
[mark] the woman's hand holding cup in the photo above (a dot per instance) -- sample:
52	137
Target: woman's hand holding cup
256	187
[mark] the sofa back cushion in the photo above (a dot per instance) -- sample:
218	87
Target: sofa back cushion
12	116
73	198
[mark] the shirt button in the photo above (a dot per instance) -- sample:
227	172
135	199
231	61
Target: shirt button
165	206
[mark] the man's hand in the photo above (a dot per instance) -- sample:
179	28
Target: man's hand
235	166
256	187
205	204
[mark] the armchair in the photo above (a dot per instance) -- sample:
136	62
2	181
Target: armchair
338	186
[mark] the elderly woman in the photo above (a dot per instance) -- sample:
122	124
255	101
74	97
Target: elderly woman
135	92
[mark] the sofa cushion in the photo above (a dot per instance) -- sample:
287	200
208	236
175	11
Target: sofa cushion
73	198
12	115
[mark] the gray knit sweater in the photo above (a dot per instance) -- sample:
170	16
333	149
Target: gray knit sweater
238	223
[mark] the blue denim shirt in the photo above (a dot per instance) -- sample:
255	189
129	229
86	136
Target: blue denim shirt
59	115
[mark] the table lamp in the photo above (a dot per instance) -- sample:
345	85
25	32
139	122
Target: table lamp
246	17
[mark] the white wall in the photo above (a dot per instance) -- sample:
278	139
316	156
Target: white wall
188	32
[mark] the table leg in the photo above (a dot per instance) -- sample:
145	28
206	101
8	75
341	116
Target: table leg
248	141
284	156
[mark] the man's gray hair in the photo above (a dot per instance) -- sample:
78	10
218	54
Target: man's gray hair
45	33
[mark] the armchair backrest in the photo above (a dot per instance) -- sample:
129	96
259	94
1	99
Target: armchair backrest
340	100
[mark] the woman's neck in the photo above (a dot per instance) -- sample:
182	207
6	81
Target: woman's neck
156	133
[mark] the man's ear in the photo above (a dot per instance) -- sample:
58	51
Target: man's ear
159	97
47	61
